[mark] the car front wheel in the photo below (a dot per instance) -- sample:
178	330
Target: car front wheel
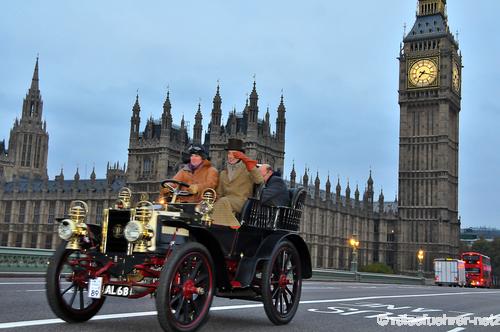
67	285
186	288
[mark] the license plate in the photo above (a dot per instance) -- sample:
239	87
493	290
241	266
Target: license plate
95	287
117	290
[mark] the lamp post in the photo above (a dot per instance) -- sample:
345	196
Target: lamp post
420	257
354	244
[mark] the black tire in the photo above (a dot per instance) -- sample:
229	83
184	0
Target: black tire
64	282
186	288
282	283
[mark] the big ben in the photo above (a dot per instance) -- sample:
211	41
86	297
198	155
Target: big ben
430	68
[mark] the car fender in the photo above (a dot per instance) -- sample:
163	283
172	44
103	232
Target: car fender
207	239
248	265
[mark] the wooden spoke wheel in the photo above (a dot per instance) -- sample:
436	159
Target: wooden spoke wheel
67	283
282	283
186	288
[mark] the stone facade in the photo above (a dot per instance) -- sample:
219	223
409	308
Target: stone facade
424	217
157	152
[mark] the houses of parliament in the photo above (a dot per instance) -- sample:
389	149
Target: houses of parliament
424	216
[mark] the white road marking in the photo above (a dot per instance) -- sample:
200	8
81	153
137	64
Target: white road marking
232	307
457	329
23	283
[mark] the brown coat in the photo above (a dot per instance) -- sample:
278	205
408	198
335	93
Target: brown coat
206	176
240	188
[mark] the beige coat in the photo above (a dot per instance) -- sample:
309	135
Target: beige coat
234	193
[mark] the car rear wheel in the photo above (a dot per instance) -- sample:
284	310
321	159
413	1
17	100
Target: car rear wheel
186	288
67	283
282	283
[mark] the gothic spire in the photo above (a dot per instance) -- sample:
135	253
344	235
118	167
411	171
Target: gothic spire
166	105
34	80
293	176
253	108
197	128
137	108
305	179
328	187
92	175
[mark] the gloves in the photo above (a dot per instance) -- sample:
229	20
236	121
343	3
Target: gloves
249	163
193	189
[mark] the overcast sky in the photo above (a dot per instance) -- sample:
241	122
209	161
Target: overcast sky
336	62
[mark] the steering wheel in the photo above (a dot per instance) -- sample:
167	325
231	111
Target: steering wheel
177	189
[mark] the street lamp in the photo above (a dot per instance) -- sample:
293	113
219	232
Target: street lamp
420	257
354	244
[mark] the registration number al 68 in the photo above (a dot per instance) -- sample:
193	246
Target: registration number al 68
116	290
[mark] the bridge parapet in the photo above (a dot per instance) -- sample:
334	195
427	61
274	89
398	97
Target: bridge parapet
24	259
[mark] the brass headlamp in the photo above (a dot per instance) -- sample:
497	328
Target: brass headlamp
138	231
73	228
206	205
124	197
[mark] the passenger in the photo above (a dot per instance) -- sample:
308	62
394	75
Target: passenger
236	184
275	193
198	173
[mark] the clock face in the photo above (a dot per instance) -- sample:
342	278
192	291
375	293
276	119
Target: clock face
423	73
455	77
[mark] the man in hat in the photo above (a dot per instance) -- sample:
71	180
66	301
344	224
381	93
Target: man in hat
236	184
275	193
198	173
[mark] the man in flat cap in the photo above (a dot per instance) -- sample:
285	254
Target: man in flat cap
236	184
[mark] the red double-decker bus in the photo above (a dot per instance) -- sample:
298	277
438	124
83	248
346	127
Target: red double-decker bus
477	269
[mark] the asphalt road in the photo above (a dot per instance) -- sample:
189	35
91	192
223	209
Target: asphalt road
325	306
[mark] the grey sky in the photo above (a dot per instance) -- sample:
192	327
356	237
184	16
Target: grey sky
336	62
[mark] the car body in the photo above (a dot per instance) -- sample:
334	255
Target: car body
174	252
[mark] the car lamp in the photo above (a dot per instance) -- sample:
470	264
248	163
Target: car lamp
66	229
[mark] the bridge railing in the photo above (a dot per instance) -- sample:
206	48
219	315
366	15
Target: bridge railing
19	260
338	275
24	259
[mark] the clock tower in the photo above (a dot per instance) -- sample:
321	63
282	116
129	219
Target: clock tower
430	68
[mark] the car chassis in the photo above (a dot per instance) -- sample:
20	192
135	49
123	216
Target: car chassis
174	252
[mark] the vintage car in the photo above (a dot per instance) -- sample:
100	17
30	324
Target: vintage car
175	253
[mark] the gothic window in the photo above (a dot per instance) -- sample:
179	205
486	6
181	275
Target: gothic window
48	241
28	155
319	258
23	152
147	167
37	152
8	211
36	213
33	240
52	211
99	210
5	238
22	212
19	240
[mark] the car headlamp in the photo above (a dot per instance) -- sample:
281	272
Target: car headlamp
134	231
66	229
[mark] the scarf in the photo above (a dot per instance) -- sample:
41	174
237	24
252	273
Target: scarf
231	170
193	168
